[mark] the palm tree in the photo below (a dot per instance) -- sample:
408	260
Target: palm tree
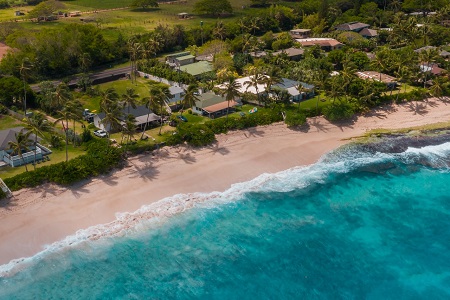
403	74
302	90
22	143
130	98
219	31
108	97
128	129
320	81
113	116
65	115
60	96
379	62
134	49
76	110
24	71
190	97
437	88
273	77
37	125
230	90
428	56
254	81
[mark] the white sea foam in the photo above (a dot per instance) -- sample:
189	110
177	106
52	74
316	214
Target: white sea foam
284	181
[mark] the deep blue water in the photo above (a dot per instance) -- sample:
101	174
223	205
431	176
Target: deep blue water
354	226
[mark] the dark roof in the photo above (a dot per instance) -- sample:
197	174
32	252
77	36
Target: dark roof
140	110
352	26
8	135
290	52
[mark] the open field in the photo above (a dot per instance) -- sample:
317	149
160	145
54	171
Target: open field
127	21
8	122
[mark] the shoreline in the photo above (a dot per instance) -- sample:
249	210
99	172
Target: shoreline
41	216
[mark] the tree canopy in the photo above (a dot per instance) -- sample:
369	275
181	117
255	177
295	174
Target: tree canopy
144	3
213	7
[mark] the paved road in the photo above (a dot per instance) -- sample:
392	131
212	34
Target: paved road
95	77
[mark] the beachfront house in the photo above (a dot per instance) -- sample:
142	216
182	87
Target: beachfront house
8	158
213	106
185	62
390	81
288	85
141	113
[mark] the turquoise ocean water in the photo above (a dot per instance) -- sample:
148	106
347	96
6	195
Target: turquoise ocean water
363	223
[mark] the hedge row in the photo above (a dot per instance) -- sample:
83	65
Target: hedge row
99	158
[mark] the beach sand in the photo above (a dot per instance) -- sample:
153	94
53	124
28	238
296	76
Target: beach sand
38	217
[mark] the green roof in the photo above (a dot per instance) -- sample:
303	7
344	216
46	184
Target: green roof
185	57
208	99
197	68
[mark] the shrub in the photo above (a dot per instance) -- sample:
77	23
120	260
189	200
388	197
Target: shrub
99	158
86	136
295	119
2	194
196	135
336	112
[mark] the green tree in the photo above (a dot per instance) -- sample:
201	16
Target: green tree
190	97
437	87
21	144
255	79
144	3
37	125
230	90
213	7
46	8
108	97
130	99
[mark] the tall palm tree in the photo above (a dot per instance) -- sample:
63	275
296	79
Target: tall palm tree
273	77
113	116
320	81
130	98
108	97
230	90
24	70
65	115
380	60
76	113
437	88
254	81
429	57
129	129
302	90
60	96
37	125
134	49
159	96
190	96
21	143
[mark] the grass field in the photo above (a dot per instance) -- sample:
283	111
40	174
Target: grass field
8	122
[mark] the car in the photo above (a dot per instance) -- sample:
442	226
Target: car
182	118
100	133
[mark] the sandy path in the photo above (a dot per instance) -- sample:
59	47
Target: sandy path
3	50
41	216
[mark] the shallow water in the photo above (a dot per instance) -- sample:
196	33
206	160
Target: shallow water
356	225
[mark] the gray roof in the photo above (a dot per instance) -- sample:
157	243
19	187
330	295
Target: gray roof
352	26
290	52
289	83
368	32
137	112
175	90
442	53
8	135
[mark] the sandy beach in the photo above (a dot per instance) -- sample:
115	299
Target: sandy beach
38	217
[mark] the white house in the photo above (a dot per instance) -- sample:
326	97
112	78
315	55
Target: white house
286	84
177	94
8	158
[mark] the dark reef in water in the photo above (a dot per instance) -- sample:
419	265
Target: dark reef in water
398	143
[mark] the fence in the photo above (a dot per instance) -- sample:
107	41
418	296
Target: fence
163	80
5	188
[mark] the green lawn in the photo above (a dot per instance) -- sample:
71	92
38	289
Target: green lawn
8	122
56	157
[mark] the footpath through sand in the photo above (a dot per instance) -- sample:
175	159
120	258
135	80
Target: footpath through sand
41	216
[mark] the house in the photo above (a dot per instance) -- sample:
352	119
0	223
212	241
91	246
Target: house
377	76
180	59
432	69
185	62
326	44
294	54
352	26
18	13
286	84
8	158
212	105
141	113
442	53
300	33
177	94
368	33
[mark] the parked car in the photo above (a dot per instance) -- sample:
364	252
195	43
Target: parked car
182	118
100	133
